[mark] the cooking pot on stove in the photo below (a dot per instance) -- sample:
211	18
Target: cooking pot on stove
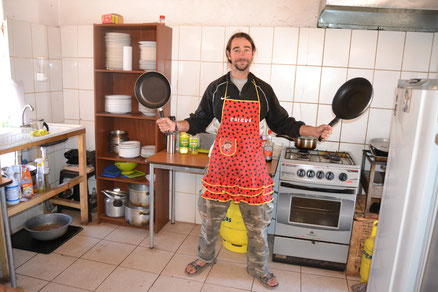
379	147
303	142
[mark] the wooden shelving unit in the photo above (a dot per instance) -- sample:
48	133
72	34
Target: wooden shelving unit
138	126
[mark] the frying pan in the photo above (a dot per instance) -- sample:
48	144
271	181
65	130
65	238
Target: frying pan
351	100
152	90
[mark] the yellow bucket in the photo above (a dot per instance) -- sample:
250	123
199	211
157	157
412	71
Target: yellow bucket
233	230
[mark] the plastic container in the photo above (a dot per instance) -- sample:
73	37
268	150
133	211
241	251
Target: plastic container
367	256
268	147
184	140
13	190
40	183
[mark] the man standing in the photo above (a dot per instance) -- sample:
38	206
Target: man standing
237	169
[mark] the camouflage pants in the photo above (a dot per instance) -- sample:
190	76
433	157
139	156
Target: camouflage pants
256	218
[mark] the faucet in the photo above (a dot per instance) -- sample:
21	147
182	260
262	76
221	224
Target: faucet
23	111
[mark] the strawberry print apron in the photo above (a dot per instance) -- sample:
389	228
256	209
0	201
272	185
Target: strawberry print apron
237	167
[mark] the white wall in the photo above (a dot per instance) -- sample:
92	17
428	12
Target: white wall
300	13
34	11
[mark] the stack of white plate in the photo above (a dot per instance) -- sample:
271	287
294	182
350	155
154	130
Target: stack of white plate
129	149
148	55
114	42
118	104
147	151
149	112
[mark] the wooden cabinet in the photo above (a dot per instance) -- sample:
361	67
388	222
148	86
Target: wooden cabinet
139	127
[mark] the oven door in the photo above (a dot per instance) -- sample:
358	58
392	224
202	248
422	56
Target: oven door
315	212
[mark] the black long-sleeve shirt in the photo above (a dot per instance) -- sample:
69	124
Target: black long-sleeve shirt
212	102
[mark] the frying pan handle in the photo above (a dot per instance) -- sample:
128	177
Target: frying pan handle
160	111
331	124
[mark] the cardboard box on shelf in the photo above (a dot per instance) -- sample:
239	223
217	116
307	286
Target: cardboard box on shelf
112	18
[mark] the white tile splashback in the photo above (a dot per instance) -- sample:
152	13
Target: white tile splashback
305	67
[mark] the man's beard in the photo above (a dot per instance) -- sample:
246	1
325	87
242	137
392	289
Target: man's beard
244	67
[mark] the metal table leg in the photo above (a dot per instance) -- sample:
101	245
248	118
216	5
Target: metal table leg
8	237
172	196
151	203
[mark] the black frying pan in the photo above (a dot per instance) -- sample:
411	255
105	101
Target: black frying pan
152	89
351	100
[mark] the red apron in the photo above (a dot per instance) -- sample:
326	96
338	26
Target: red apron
237	167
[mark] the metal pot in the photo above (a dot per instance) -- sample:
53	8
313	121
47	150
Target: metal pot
136	215
115	138
139	195
303	143
48	226
379	147
114	201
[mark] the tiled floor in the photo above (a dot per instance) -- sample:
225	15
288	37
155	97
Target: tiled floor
106	257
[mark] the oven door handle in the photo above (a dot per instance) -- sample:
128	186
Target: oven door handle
316	189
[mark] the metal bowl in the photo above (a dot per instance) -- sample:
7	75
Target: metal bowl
48	226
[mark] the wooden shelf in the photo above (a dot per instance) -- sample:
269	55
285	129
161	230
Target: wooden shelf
114	157
126	116
139	127
138	180
120	221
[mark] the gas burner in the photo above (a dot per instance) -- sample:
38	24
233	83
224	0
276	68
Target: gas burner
333	157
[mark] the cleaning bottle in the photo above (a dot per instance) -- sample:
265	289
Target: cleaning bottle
40	180
13	190
367	256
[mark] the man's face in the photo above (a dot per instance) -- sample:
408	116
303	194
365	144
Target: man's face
241	54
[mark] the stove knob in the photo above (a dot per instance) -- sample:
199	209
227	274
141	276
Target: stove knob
320	174
343	176
329	175
310	173
301	172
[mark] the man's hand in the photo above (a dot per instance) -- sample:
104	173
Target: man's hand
165	124
323	130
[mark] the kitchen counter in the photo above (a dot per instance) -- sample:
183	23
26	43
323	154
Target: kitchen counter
16	139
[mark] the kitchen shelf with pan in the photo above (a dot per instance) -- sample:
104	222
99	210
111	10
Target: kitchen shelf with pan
138	126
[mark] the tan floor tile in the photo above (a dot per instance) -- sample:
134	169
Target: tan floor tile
85	274
314	283
109	252
123	279
164	240
230	275
128	235
45	266
323	272
351	283
169	284
53	287
75	216
215	288
190	246
177	265
29	284
282	266
289	281
77	246
196	230
148	260
97	230
179	227
21	256
230	256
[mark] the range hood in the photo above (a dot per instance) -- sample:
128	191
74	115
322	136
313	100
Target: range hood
404	15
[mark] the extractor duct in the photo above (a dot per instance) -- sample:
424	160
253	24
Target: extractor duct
403	15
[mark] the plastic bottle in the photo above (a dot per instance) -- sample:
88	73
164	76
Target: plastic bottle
46	162
268	147
367	256
194	144
184	140
13	190
40	183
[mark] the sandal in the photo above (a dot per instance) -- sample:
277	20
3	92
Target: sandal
265	279
198	268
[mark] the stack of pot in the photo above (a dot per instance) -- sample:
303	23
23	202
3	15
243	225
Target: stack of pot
114	202
115	138
137	208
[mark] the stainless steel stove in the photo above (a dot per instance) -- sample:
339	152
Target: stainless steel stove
315	208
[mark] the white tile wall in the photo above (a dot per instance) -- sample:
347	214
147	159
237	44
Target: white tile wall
54	39
305	67
39	40
85	41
